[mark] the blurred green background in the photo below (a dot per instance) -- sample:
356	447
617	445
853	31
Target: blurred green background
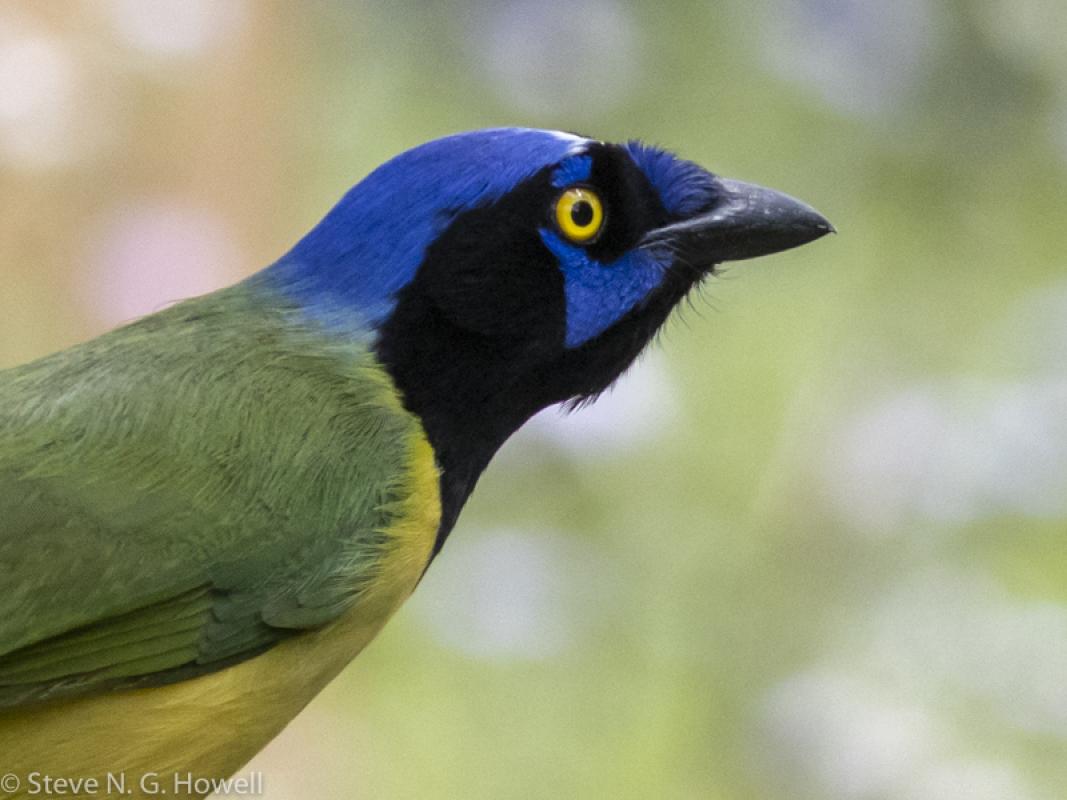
812	546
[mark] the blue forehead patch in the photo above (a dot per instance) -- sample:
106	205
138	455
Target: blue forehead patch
370	245
684	188
575	169
599	295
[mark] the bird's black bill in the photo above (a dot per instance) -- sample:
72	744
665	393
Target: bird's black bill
747	221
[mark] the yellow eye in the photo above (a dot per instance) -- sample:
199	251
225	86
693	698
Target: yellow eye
579	214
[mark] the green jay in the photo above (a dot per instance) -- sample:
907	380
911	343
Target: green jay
206	514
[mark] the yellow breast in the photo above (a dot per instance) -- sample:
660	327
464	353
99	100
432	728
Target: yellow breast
210	726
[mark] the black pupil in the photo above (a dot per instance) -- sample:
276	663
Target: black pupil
582	213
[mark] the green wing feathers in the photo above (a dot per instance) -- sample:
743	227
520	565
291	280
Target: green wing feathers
154	639
186	491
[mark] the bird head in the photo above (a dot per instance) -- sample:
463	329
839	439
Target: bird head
500	271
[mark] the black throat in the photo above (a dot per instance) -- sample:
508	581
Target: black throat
472	392
469	391
475	343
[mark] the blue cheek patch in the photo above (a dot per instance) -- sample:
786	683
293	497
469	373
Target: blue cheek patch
599	295
576	169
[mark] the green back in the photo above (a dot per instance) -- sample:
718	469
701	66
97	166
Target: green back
183	492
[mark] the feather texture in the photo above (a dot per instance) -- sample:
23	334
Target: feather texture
189	490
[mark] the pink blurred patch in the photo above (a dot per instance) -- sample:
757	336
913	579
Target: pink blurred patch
142	260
